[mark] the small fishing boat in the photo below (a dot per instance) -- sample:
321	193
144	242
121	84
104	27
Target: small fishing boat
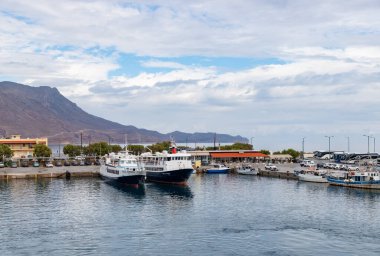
356	179
218	168
318	176
247	170
122	168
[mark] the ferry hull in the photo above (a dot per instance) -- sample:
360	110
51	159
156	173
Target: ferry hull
176	176
354	184
128	180
132	178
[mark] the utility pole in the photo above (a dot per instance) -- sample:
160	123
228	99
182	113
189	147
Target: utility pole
303	148
374	144
348	144
329	144
81	143
368	136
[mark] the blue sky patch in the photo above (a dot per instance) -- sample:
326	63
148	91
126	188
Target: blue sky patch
132	65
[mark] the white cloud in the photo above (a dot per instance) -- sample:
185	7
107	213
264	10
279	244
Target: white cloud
328	83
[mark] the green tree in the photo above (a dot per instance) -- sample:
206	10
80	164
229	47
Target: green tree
72	150
160	146
115	148
41	150
98	149
265	151
5	152
235	146
136	149
294	153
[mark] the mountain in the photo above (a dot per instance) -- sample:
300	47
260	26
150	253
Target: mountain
44	112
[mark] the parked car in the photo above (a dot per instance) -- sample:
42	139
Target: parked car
271	167
25	163
307	163
353	168
66	163
14	164
49	164
36	164
74	163
2	165
97	162
320	165
58	163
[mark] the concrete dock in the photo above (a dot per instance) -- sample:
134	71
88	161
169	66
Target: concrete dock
285	171
54	172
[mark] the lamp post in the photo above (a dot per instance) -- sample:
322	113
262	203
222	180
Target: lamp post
368	136
329	144
348	144
251	142
303	148
374	144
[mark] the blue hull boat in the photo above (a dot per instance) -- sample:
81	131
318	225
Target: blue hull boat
218	168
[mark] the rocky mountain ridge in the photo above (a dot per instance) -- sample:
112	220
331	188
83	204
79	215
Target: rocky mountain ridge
44	112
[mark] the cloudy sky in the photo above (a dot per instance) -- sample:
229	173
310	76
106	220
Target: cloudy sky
275	70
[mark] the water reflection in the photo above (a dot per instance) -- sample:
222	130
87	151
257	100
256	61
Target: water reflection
175	191
357	192
137	191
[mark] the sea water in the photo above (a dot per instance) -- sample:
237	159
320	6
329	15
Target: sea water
214	215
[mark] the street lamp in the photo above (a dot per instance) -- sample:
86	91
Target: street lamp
303	148
251	141
329	144
348	144
368	136
374	144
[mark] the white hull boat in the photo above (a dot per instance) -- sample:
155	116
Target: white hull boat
247	171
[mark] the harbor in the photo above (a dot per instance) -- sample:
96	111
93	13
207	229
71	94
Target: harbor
219	214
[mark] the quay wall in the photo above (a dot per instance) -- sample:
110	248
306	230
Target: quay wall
54	172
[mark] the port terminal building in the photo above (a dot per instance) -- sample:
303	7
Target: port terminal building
22	147
203	157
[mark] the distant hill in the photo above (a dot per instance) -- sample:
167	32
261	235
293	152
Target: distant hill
44	112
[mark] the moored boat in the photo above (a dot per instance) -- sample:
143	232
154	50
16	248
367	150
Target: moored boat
318	176
122	168
247	170
218	168
174	167
356	179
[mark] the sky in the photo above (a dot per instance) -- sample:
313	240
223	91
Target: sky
274	71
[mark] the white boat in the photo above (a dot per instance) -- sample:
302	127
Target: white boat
167	167
218	168
318	176
246	170
122	168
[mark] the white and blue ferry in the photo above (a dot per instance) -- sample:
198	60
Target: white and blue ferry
174	167
122	168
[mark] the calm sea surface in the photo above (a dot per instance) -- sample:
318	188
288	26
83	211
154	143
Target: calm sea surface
213	215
